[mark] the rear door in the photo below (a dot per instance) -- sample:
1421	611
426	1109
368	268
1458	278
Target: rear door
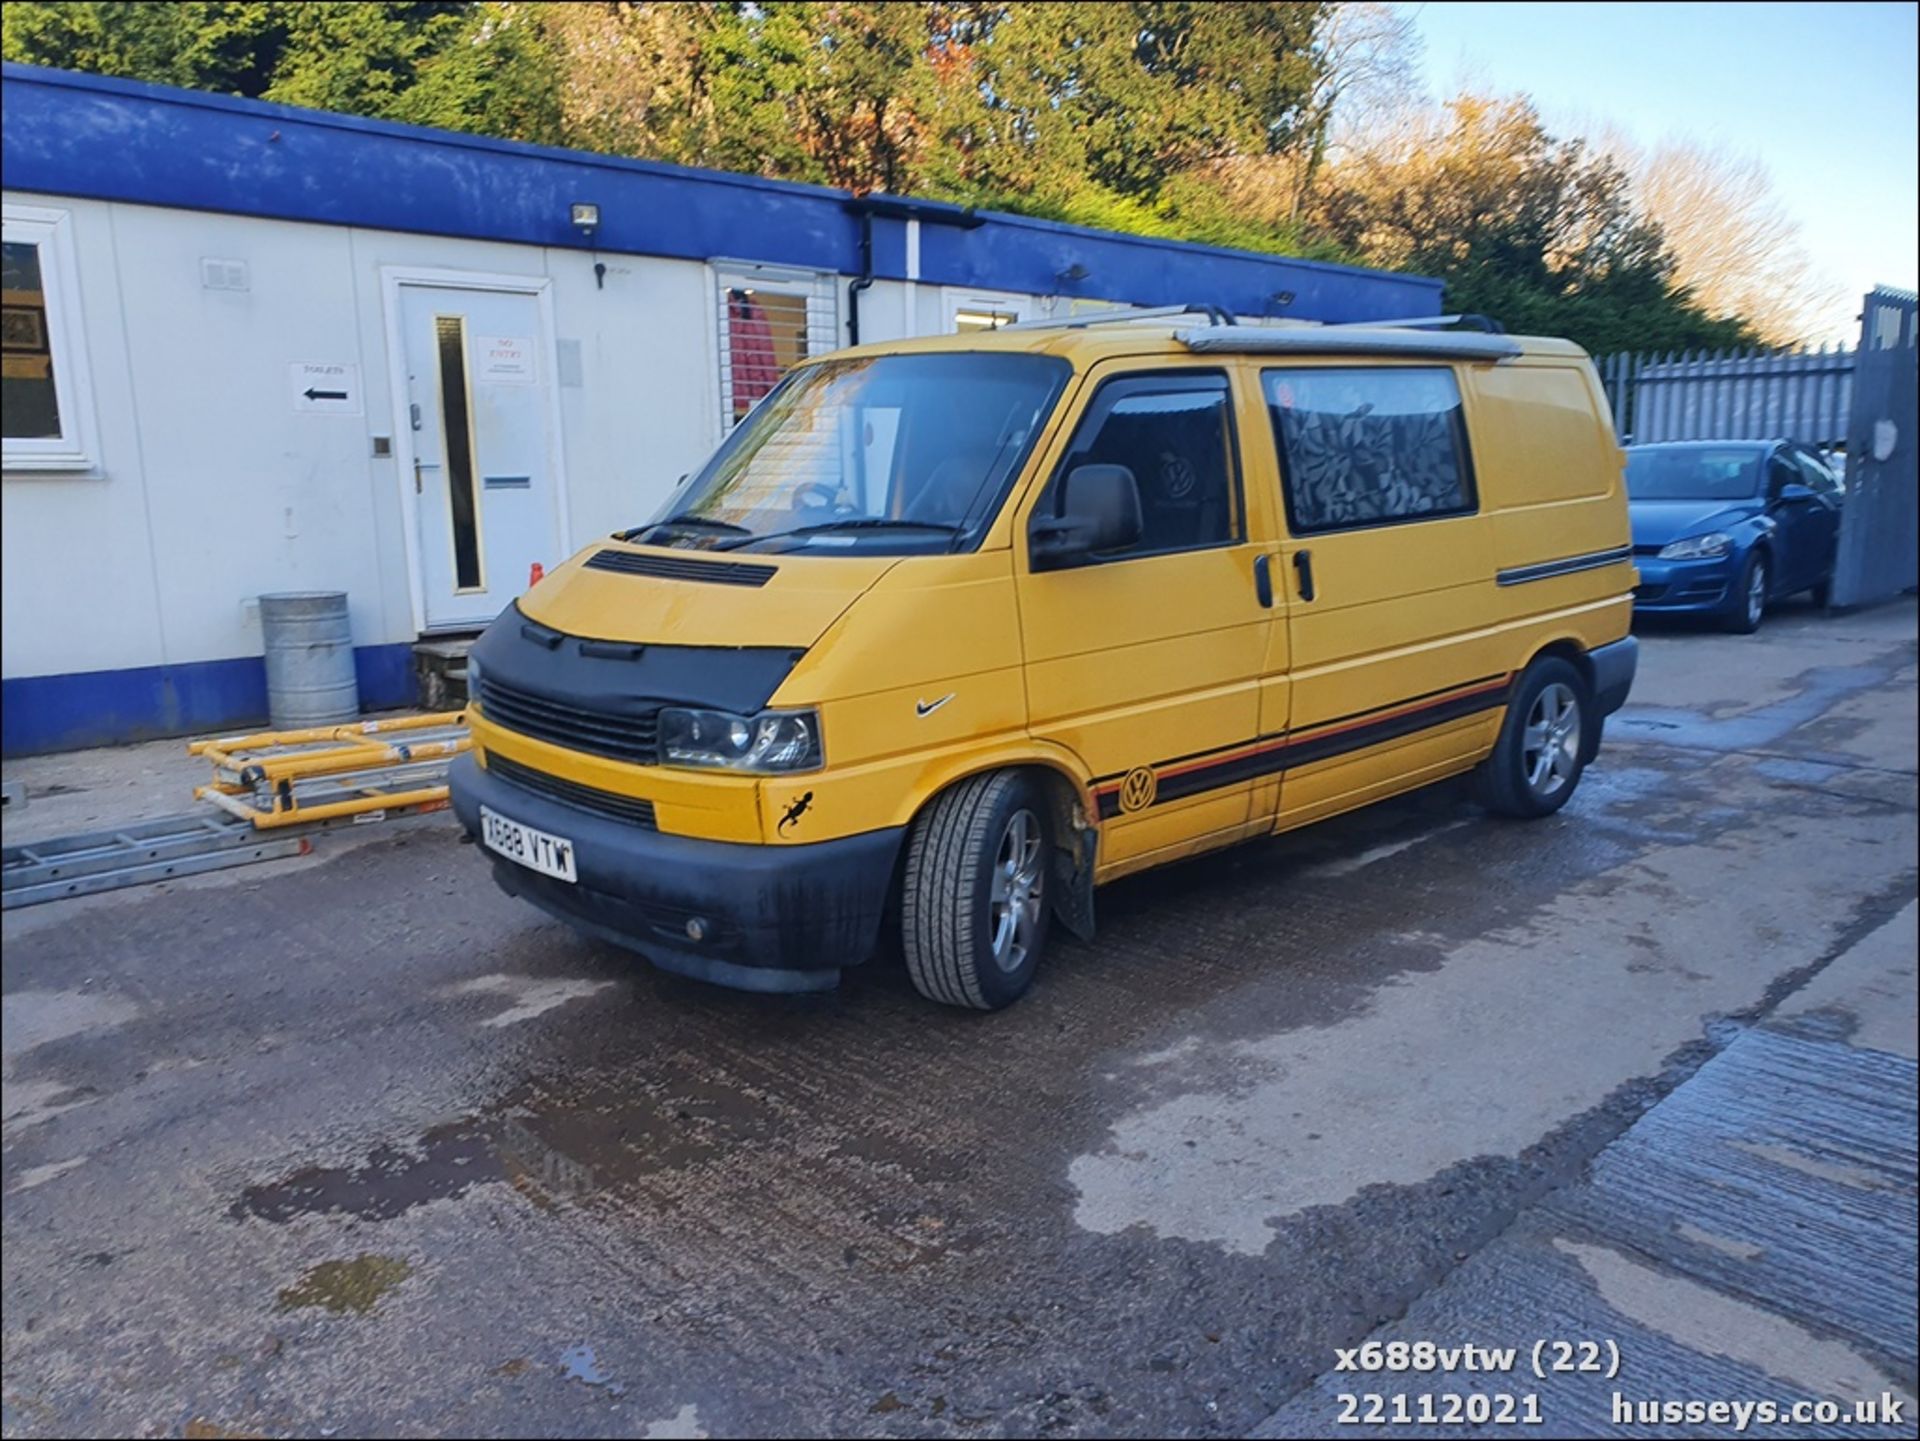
1390	571
1147	663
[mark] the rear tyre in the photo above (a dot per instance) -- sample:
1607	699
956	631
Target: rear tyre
1748	602
1540	756
973	907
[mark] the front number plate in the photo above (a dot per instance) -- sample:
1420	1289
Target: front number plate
536	850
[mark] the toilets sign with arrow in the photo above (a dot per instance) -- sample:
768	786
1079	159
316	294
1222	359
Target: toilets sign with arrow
323	389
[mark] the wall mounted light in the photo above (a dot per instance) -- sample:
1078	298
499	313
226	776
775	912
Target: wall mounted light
1073	274
586	219
1281	299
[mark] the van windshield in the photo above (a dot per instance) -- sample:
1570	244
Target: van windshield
890	454
1693	472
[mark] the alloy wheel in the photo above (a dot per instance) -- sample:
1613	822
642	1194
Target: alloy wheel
1550	749
1014	902
1757	592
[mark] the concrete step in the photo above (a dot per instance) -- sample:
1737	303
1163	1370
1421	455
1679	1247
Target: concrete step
440	669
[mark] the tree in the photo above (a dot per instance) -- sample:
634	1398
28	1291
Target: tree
140	41
1540	233
630	79
1123	97
456	65
1735	248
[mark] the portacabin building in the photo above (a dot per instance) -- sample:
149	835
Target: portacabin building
250	348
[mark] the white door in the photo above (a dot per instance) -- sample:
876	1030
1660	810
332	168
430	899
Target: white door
483	480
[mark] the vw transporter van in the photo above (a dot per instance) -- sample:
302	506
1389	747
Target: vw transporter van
951	631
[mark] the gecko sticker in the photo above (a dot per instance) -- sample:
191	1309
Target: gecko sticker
798	809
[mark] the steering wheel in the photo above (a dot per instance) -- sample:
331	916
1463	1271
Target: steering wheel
819	495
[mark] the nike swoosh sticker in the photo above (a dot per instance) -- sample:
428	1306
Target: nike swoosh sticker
923	709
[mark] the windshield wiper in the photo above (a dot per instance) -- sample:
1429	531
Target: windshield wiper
852	522
686	522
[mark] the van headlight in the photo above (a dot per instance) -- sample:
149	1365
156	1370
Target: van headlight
773	742
1698	547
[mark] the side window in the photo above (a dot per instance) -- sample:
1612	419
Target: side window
1361	447
1175	433
48	404
982	317
1815	474
1781	471
766	327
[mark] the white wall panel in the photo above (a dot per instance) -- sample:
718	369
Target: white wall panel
75	550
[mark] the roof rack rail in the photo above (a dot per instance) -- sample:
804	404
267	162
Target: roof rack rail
1427	322
1214	314
1349	340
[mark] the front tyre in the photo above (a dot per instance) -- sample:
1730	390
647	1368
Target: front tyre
1540	755
973	907
1748	603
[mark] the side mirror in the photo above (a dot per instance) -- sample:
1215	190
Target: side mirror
1098	509
1794	493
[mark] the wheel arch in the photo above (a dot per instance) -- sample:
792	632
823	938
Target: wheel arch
1072	811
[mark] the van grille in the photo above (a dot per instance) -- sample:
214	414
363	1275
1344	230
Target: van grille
633	738
669	567
631	809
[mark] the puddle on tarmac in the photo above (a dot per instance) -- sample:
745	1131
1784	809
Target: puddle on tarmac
390	1181
578	1363
687	1136
1820	689
342	1286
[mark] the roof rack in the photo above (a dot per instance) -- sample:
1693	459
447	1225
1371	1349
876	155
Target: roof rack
1350	340
1213	313
1428	322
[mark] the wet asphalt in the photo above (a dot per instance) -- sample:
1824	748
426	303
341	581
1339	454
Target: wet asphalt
366	1147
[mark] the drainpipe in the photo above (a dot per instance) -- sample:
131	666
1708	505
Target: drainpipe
887	207
865	282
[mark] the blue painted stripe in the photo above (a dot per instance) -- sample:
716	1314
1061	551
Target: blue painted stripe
112	707
111	139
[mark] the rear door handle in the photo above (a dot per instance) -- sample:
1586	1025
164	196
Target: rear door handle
1303	572
1263	580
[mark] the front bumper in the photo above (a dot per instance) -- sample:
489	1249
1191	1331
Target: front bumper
775	918
1683	585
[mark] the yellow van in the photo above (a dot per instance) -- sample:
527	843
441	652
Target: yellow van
950	631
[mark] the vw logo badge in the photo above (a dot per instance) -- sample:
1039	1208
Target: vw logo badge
1137	790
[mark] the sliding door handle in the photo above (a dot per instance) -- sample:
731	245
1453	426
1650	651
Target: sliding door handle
1303	572
1263	580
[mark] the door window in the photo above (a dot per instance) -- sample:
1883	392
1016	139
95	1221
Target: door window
1781	472
1816	475
1175	433
1364	447
450	344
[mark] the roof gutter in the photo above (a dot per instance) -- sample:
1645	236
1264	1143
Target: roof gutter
889	207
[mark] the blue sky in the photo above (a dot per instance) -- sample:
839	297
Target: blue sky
1824	93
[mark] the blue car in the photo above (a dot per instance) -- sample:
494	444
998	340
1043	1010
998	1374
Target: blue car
1723	527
